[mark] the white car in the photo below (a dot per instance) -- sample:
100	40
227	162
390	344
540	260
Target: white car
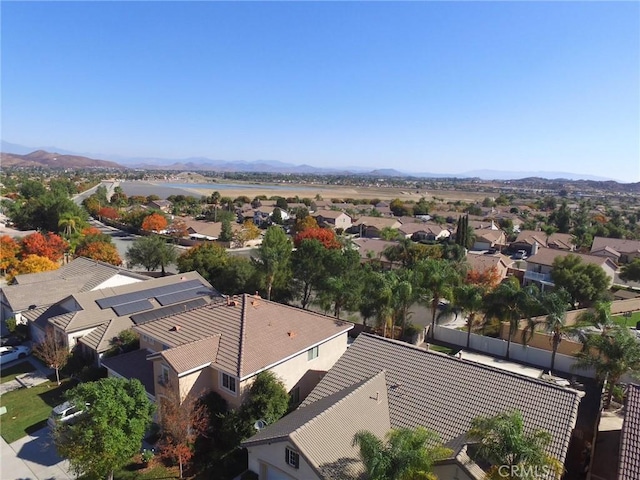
66	413
9	354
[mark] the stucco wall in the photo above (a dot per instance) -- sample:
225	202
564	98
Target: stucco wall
116	281
274	455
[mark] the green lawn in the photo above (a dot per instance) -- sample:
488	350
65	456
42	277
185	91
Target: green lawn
631	321
29	408
12	372
439	348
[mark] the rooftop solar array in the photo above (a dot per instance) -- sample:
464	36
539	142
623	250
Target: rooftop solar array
145	317
170	298
132	307
132	297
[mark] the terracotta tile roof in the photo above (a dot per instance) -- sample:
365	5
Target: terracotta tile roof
323	431
100	338
629	463
444	393
411	228
329	214
618	244
482	263
374	245
189	356
245	329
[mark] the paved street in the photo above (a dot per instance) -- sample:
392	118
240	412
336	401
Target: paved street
33	457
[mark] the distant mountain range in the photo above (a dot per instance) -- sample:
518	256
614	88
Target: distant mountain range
20	155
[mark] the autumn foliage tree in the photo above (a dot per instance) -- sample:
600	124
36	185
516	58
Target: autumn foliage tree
108	212
182	421
9	250
51	245
52	352
102	251
154	223
32	264
488	279
325	236
304	223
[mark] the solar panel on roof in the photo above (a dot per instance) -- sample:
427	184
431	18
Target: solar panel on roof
147	293
183	295
176	287
145	317
132	307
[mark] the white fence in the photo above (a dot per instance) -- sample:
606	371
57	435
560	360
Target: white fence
518	353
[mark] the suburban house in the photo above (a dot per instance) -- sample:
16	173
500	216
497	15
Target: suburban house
333	219
372	249
94	318
488	238
618	249
430	232
199	230
629	459
36	291
540	265
527	238
223	345
371	227
484	263
379	384
162	205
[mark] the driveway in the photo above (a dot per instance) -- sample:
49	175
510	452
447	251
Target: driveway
33	457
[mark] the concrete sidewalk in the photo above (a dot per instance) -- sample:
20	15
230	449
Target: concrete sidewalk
33	457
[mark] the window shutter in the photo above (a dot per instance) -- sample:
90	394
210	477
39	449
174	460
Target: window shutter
286	456
296	457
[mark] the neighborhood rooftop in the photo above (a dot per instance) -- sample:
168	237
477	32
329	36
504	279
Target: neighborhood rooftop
629	467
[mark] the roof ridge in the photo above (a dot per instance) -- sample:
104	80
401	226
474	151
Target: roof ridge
243	332
470	362
187	344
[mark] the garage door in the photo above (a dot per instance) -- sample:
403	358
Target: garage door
272	473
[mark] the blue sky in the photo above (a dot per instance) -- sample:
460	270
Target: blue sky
443	87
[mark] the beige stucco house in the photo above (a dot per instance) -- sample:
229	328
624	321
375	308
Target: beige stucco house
333	218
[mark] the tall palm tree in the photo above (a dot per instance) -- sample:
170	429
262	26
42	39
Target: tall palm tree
439	278
555	305
612	354
468	300
407	454
69	224
598	315
502	442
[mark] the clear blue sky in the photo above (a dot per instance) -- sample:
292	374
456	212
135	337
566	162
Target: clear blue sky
442	87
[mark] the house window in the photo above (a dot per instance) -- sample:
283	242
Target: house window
312	353
164	375
292	458
229	383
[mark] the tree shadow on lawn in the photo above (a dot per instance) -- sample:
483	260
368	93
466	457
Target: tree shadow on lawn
40	448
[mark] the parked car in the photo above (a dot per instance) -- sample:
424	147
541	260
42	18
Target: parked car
520	255
66	413
9	354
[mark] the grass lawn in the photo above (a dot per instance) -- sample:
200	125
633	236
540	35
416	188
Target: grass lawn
29	408
628	321
447	350
12	372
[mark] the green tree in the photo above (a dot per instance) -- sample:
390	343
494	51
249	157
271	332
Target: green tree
274	257
468	300
208	259
584	282
438	280
226	233
502	441
612	354
309	271
341	289
407	454
388	233
555	305
109	434
631	271
151	252
598	315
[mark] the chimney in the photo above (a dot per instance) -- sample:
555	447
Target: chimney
534	248
291	333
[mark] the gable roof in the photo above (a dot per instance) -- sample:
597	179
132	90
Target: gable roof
481	263
490	235
562	241
334	214
377	222
629	463
618	244
245	326
444	393
546	256
374	245
429	228
323	431
79	275
193	355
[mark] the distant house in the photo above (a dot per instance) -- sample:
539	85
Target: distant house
372	249
629	457
379	384
423	231
484	263
488	239
92	319
371	227
619	250
162	205
221	347
199	230
35	291
540	265
558	241
333	219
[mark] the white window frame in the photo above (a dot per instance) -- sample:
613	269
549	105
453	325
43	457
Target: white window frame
229	379
313	353
291	454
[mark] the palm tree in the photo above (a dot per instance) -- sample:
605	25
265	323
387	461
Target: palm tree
555	304
502	442
69	224
407	454
468	300
598	315
438	280
612	354
510	303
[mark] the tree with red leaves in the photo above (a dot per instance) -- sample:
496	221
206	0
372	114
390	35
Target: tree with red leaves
182	420
102	251
154	223
51	245
108	212
488	279
325	236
